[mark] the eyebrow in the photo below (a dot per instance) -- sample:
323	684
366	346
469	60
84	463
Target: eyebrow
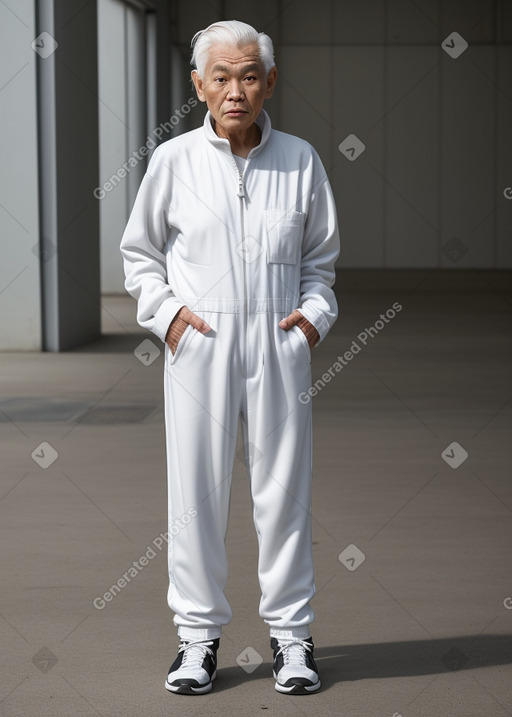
253	67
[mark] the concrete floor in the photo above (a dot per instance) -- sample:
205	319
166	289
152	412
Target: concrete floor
422	626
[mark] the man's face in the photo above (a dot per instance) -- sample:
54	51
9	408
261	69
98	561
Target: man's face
234	86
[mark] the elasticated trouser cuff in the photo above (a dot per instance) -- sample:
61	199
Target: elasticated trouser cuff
206	633
290	633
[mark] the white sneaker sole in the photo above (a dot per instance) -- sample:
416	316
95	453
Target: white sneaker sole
297	689
190	689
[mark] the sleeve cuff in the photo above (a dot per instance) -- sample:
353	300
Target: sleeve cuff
163	317
318	320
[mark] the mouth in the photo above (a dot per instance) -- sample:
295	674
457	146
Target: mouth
236	113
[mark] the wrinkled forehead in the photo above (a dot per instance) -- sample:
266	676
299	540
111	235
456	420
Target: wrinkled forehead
233	59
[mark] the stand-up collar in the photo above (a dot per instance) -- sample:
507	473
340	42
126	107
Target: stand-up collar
263	122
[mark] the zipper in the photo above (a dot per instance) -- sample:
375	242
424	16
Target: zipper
241	196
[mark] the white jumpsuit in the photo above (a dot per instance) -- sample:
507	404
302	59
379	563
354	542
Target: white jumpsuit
242	250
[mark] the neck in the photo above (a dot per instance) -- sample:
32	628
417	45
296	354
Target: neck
241	142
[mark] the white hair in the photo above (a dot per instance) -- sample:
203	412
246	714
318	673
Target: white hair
230	32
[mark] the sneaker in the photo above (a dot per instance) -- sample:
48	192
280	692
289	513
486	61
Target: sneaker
195	668
295	670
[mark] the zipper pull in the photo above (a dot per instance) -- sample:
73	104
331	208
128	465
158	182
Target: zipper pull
241	192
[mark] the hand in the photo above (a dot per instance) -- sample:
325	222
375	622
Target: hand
177	327
296	319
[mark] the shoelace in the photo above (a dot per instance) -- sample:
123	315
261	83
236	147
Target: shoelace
294	652
194	652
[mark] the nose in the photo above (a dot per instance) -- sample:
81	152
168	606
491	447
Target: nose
235	91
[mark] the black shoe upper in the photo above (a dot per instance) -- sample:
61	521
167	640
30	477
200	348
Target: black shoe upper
209	662
279	659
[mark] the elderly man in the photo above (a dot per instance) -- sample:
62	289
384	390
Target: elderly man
230	252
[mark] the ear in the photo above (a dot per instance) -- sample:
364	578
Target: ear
271	82
198	84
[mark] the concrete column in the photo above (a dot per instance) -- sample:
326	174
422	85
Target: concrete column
67	88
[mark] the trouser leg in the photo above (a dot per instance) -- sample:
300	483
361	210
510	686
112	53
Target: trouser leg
201	416
278	438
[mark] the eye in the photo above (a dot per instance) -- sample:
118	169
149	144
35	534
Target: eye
219	79
250	77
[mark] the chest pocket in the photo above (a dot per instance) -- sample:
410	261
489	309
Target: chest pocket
284	236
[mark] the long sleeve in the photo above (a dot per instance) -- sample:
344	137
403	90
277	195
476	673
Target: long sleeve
320	249
142	247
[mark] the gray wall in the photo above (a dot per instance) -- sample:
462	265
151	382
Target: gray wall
428	189
135	92
50	295
122	126
20	317
49	274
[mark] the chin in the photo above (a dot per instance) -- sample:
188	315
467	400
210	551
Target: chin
238	121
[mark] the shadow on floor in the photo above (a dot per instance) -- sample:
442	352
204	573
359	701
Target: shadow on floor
348	663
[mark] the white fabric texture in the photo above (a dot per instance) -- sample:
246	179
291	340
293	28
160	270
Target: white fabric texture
240	162
242	250
183	242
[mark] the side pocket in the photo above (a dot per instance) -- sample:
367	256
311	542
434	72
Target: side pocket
184	339
284	232
302	338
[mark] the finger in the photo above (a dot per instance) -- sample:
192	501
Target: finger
194	320
290	320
